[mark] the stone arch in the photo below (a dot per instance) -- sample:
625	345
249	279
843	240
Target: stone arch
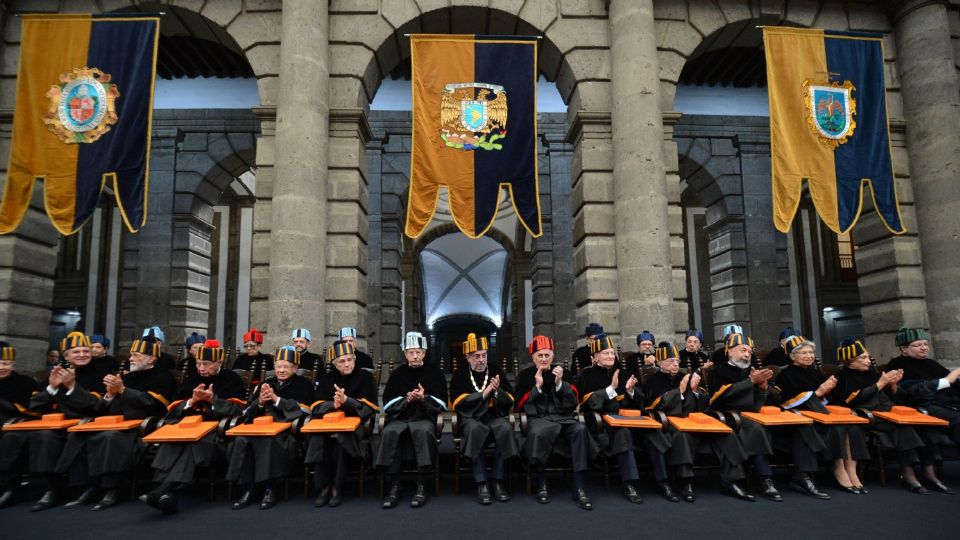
683	27
366	47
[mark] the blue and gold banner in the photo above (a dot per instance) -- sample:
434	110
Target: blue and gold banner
828	125
83	115
474	130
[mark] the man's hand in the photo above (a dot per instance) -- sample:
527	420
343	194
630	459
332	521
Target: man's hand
630	384
114	385
69	378
56	376
558	375
889	377
649	360
695	382
492	386
538	378
761	377
266	395
953	376
416	395
615	381
684	383
202	393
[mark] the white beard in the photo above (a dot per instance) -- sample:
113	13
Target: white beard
740	364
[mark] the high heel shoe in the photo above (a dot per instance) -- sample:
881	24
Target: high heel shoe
853	490
915	487
863	490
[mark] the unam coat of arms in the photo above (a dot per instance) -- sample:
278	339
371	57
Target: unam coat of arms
82	106
473	115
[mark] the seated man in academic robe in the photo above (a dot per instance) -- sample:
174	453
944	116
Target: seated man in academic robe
926	383
73	389
692	356
483	400
549	400
778	355
348	334
263	460
99	349
100	459
213	393
737	386
677	393
415	394
253	359
644	356
300	339
15	393
605	393
191	345
352	391
582	357
166	361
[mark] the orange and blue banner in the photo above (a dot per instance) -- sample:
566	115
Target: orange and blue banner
474	130
83	116
828	125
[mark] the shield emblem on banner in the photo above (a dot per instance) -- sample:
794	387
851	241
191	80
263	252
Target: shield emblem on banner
830	111
473	115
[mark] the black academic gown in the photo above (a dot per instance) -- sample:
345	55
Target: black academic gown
411	421
483	420
272	457
326	450
582	358
15	393
919	388
731	390
777	357
44	447
797	385
550	417
692	359
177	462
89	455
364	361
662	393
310	360
614	440
858	390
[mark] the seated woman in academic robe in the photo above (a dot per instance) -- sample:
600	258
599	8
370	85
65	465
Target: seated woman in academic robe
263	460
677	393
804	387
415	394
860	385
214	393
350	390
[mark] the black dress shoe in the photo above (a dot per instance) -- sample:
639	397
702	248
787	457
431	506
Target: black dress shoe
668	492
941	487
862	489
419	497
736	491
109	500
543	494
915	487
630	492
687	492
335	499
323	498
244	501
150	498
500	493
769	490
805	484
483	493
47	501
8	498
167	503
86	497
583	501
393	496
269	499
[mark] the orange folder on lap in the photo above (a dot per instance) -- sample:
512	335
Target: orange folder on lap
107	423
47	421
631	418
838	415
774	416
190	429
332	422
910	416
699	423
262	426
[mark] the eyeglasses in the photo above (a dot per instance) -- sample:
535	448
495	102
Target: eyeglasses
250	345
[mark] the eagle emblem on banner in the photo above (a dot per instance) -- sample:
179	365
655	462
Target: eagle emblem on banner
82	106
473	115
830	111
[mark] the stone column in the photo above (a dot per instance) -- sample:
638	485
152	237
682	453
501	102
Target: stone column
640	193
298	225
932	109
